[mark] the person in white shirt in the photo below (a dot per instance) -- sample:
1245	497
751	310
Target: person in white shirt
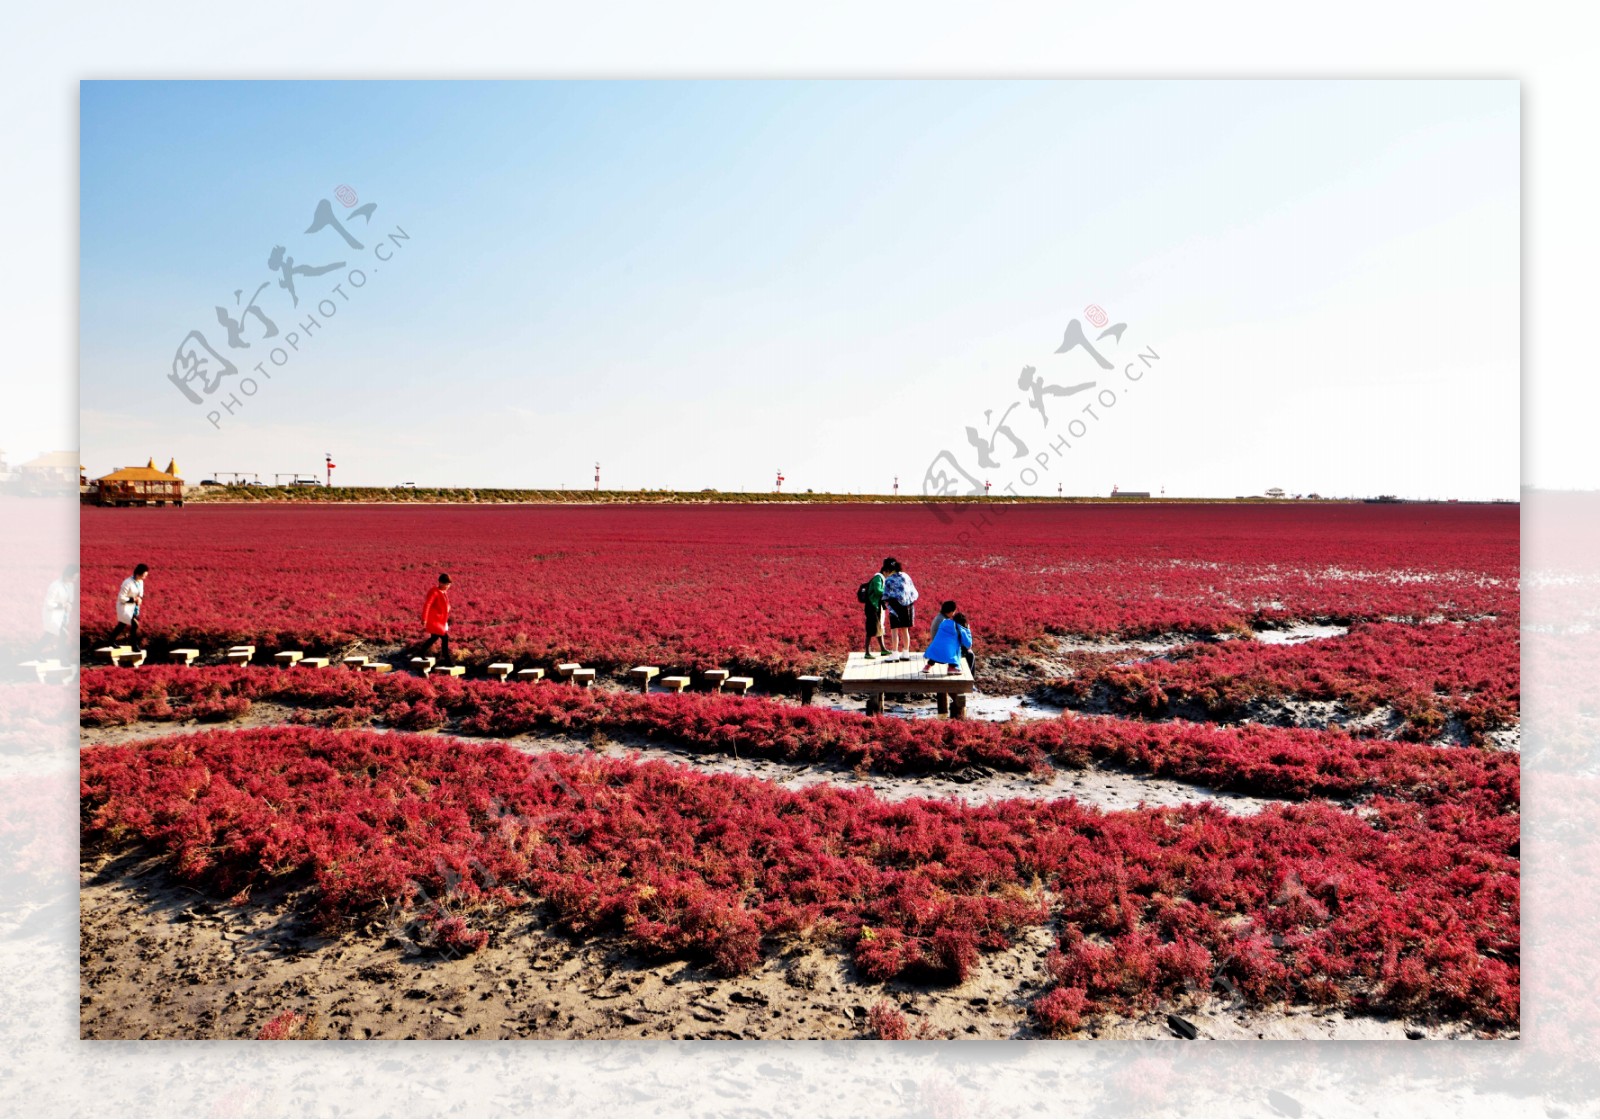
60	611
130	598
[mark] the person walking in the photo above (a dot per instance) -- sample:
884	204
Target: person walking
436	621
61	612
130	603
952	639
899	599
871	595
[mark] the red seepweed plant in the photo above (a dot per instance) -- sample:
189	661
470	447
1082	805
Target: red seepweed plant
770	590
1410	908
1428	673
1388	881
1254	759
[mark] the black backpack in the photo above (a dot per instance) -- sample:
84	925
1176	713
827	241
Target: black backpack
863	592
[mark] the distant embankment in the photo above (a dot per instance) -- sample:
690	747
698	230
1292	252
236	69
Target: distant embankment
420	495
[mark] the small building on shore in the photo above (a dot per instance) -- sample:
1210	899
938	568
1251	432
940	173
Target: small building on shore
52	472
140	486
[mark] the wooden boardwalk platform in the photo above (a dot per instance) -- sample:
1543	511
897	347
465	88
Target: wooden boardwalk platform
878	676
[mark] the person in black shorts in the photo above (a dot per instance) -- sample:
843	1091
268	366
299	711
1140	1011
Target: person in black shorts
899	599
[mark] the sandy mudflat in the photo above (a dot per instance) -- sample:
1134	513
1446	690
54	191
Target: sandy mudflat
160	960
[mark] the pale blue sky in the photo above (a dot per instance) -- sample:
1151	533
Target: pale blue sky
700	283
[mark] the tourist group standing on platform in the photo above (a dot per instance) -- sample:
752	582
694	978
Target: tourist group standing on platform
890	598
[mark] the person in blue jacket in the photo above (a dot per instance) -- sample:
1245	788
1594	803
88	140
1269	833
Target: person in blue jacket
972	665
952	639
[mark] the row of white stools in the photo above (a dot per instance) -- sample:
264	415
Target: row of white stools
714	680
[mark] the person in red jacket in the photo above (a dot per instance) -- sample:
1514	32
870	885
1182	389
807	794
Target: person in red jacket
436	621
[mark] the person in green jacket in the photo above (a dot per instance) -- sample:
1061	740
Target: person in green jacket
874	604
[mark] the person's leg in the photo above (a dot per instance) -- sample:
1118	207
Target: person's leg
444	650
133	633
868	644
